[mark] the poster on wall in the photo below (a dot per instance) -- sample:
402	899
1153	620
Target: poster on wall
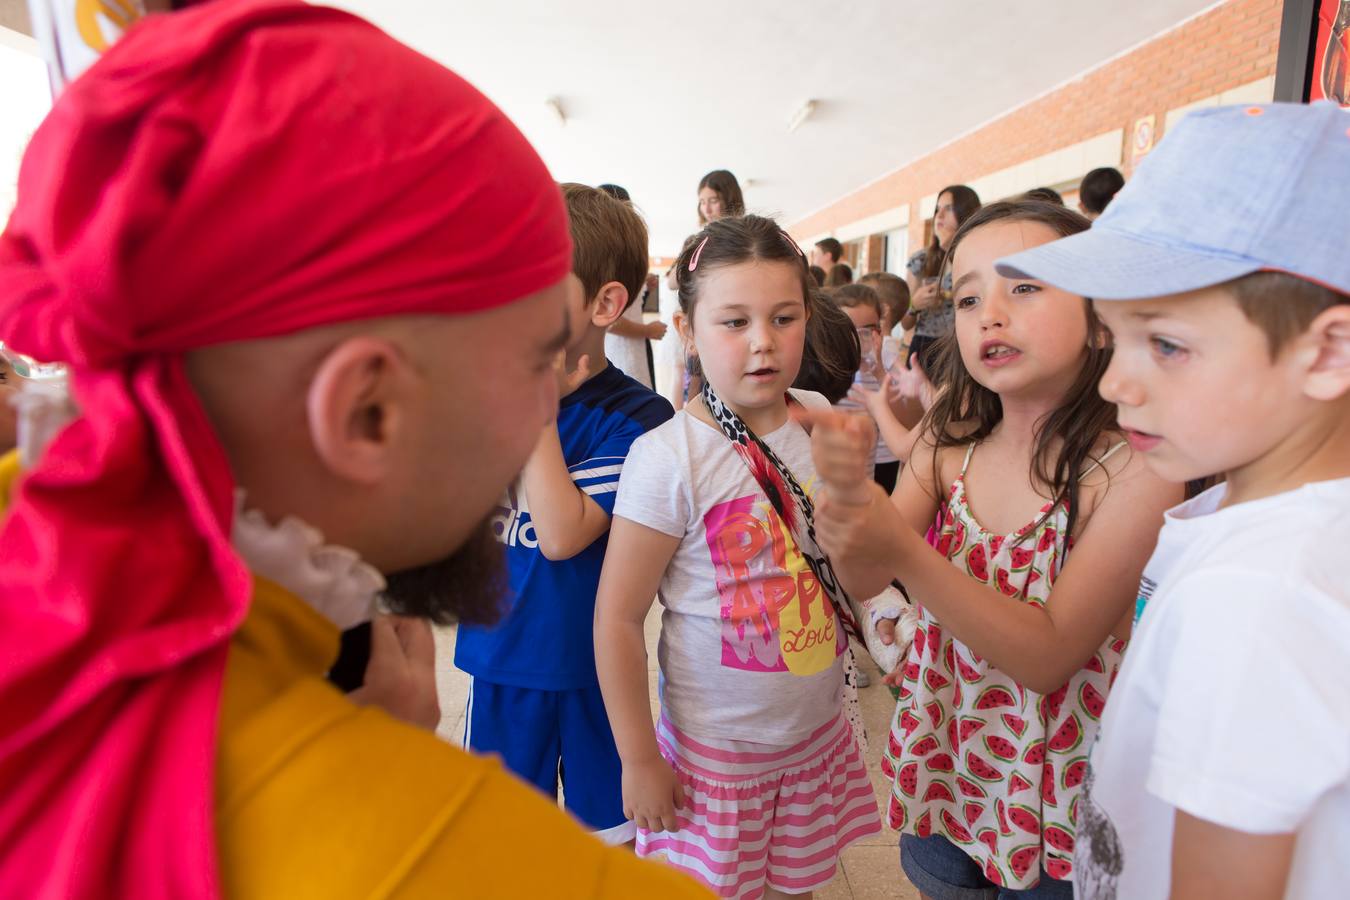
73	33
1142	137
1331	53
1314	58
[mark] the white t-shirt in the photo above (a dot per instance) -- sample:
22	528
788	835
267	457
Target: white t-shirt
1233	703
630	353
669	350
750	647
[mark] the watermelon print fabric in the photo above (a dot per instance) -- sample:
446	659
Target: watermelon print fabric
974	756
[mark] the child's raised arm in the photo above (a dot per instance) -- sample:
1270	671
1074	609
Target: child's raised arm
635	560
566	521
1041	647
869	538
897	438
841	448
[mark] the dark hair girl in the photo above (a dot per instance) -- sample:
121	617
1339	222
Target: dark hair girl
930	311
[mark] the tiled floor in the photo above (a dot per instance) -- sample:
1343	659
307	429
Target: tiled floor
871	868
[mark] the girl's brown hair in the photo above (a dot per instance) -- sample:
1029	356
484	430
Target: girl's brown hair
725	185
840	274
832	352
1082	417
732	240
965	203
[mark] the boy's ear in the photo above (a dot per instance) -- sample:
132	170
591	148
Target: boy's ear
1328	377
609	304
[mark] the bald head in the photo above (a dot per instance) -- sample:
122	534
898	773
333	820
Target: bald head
394	437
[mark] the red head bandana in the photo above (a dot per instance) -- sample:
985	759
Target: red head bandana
235	171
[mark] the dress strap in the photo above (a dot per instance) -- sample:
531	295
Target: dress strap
970	451
1099	463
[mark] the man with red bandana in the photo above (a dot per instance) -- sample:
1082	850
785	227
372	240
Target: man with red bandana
254	231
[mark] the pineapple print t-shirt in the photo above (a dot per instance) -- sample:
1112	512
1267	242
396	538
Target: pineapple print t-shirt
750	648
975	757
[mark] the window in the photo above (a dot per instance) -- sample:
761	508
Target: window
896	251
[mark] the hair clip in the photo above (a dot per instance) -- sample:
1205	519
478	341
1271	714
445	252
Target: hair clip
795	245
693	263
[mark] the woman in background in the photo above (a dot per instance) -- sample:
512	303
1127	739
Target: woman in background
930	309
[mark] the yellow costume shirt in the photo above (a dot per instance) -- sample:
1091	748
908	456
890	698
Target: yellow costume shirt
319	798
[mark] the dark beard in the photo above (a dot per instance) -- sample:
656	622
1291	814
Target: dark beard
467	586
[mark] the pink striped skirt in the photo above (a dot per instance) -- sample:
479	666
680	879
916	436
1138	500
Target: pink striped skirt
756	814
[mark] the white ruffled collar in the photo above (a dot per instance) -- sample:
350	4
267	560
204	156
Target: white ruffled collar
333	580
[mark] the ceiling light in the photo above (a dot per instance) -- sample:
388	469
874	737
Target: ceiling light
801	115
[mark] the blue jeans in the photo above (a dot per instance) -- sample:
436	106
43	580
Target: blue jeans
943	871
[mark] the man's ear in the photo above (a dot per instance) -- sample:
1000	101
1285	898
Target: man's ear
609	304
1328	337
356	406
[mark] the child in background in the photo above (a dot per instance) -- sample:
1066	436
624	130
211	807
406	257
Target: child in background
894	294
753	780
863	308
826	253
832	353
830	364
1223	766
1041	526
534	699
830	361
839	275
627	341
1097	190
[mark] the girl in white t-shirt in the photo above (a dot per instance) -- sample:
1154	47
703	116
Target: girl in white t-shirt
753	780
1037	528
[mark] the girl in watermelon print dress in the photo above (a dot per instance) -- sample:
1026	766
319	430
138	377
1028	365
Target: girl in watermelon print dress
1041	521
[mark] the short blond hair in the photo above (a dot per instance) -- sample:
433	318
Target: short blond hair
609	240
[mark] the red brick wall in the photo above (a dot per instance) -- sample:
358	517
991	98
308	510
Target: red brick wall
1229	46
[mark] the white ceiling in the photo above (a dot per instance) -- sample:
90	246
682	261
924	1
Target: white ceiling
658	93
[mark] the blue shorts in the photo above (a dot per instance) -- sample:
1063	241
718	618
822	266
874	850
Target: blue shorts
552	737
943	871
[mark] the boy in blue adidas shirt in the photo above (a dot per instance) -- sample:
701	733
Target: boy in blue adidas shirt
534	699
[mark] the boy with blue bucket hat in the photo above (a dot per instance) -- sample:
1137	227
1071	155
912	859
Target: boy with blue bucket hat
1223	272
